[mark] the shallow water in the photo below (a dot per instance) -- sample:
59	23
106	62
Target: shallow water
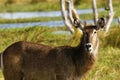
61	32
17	15
32	24
48	24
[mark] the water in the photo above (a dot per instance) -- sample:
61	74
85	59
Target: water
32	24
49	24
17	15
61	32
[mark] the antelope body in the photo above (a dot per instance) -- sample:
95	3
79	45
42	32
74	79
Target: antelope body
30	61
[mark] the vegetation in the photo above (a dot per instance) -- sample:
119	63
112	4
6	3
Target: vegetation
106	68
34	34
40	5
24	20
108	64
29	7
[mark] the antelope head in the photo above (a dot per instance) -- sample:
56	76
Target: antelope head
89	39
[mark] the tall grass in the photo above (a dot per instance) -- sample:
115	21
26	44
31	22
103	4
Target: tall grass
19	1
24	20
41	6
34	34
46	5
113	38
107	66
23	1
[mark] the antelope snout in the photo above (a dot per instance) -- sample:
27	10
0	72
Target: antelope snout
88	47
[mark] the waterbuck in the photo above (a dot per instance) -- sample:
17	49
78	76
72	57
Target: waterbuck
30	61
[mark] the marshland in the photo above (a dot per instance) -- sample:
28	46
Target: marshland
107	66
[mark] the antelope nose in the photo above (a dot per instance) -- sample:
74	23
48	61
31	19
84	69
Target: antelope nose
88	46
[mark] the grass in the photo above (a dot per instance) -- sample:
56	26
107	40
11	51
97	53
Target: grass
113	35
24	20
107	66
34	34
41	6
51	6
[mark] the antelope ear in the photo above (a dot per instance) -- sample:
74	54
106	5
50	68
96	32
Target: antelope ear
78	24
100	23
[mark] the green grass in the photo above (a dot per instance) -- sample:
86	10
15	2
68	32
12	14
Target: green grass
51	6
107	66
34	34
30	7
24	20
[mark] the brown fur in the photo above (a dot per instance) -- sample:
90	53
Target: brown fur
30	61
0	60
